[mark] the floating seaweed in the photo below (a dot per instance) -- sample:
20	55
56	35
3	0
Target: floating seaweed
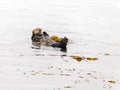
78	58
111	81
94	59
56	38
107	54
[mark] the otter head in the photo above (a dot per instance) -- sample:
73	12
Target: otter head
37	31
36	35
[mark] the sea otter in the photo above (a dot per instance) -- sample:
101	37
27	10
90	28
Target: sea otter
39	37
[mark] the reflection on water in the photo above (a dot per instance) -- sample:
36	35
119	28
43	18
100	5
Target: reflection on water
63	49
38	45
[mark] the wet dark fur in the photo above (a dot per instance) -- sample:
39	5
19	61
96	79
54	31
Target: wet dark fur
61	44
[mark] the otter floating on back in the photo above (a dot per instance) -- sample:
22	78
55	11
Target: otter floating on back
39	37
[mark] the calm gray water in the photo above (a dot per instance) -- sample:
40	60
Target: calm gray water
92	25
